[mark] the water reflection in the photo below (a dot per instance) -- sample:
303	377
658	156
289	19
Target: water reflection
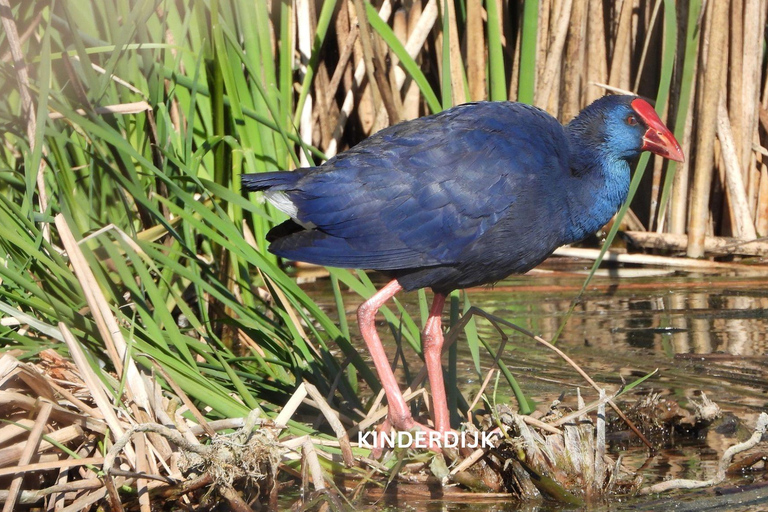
706	333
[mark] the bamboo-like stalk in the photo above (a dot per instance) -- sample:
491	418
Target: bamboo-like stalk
619	73
411	98
678	204
555	52
305	49
707	125
754	19
476	51
574	61
736	72
597	64
457	66
718	246
761	221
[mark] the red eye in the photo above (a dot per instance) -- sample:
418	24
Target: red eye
631	120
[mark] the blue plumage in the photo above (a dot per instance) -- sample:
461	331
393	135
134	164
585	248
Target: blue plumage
461	198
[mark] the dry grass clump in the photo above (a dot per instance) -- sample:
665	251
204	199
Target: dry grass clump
53	440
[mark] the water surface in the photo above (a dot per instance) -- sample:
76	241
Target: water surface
704	332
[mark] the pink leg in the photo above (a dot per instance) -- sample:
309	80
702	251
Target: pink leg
399	415
432	346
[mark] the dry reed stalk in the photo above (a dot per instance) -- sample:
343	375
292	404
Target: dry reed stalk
543	39
514	75
412	96
753	38
400	29
106	322
678	203
619	73
658	163
646	44
96	388
476	51
348	35
58	464
326	111
367	44
22	76
649	259
574	61
30	447
304	31
717	246
418	35
549	82
14	429
366	118
457	66
597	63
12	455
291	406
707	126
743	226
755	63
736	73
761	222
390	92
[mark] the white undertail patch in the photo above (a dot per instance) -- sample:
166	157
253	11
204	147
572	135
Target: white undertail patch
282	202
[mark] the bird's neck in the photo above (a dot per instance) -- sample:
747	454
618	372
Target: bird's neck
600	184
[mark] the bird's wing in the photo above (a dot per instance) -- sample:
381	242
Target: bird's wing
420	193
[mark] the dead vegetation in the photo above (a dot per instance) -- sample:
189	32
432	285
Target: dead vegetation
57	449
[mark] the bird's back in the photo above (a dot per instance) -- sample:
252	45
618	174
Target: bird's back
429	200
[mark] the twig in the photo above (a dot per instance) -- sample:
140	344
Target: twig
313	464
291	406
479	394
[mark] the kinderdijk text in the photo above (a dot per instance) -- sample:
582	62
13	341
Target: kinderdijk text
425	440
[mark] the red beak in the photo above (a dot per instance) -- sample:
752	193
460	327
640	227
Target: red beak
658	139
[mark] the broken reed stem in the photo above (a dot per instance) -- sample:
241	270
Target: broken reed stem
313	464
333	420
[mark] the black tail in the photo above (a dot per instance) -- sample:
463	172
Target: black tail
266	180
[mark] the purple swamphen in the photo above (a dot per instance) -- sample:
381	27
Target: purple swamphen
462	198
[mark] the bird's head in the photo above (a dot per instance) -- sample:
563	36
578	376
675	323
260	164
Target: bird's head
622	127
